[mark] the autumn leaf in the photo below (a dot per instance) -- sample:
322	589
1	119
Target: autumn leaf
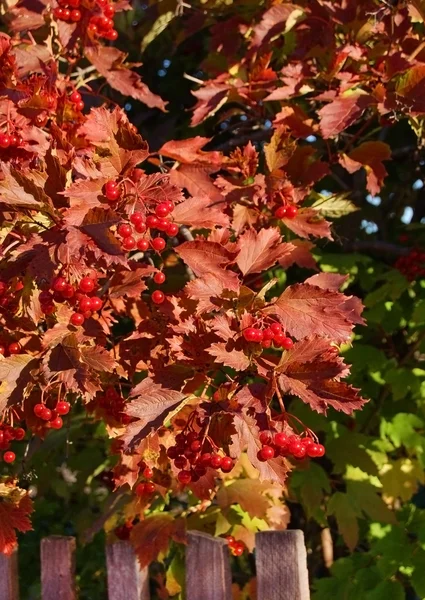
190	152
279	150
15	376
153	535
196	179
201	212
260	251
210	98
342	112
129	283
278	19
249	493
227	355
97	224
16	190
369	155
209	258
307	223
306	310
150	404
15	508
300	255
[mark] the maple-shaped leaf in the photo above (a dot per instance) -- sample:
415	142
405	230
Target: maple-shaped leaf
308	222
345	510
211	96
306	310
110	63
197	181
300	255
16	190
151	403
98	358
247	438
229	356
304	168
189	151
15	508
260	251
279	150
201	212
207	291
343	112
312	372
120	146
209	258
83	195
250	494
15	376
327	281
153	535
368	155
278	19
97	224
129	283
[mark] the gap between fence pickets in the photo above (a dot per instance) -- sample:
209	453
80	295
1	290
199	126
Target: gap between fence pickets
281	562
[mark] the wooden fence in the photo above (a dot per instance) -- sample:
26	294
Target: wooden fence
280	563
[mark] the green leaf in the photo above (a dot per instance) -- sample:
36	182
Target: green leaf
402	430
395	284
365	495
341	506
387	590
347	450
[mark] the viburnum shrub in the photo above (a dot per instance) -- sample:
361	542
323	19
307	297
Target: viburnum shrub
162	293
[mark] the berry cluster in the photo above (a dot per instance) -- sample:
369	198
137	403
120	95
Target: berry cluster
9	349
112	405
268	336
9	141
412	265
76	100
236	548
145	488
9	434
61	290
188	456
286	212
280	444
52	418
9	295
100	24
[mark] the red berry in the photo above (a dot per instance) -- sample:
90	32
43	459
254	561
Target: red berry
56	423
280	212
238	549
185	477
66	14
205	459
162	210
87	285
158	244
268	334
75	15
125	230
112	194
276	327
141	227
14	348
163	224
79	106
216	461
111	35
252	335
111	185
148	473
73	3
151	221
48	309
266	453
63	407
265	437
287	343
158	297
230	540
280	439
59	284
85	304
95	303
75	96
291	212
109	11
136	218
159	278
143	245
140	489
150	488
9	457
278	339
195	446
77	319
45	297
38	409
92	28
58	13
172	230
68	292
226	464
180	462
129	243
19	434
300	451
46	414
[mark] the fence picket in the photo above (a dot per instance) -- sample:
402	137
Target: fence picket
281	560
9	582
58	568
126	580
207	568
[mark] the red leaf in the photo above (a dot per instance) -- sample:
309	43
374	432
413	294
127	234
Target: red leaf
129	283
153	535
15	376
197	182
308	222
260	251
227	355
16	190
151	403
15	506
109	61
189	151
206	258
201	212
272	23
342	112
210	98
312	372
300	255
97	224
83	195
306	310
207	291
370	156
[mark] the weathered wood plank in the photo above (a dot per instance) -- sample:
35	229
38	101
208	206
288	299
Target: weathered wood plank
58	568
281	560
9	582
126	580
208	573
